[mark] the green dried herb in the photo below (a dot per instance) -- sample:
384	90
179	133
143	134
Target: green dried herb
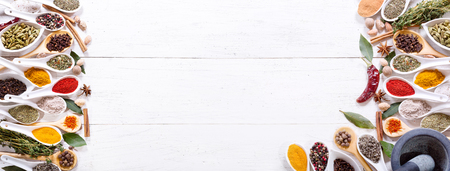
437	121
24	113
394	8
405	63
60	62
421	13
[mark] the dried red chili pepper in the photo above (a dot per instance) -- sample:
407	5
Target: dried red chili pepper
372	84
4	25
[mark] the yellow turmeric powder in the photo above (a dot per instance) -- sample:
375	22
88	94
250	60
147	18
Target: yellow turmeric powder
367	8
429	78
297	157
38	76
47	135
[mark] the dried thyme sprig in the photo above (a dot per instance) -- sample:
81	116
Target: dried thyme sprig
422	12
23	144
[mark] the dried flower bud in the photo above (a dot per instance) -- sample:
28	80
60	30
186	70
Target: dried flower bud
77	19
80	102
76	70
80	62
82	25
87	40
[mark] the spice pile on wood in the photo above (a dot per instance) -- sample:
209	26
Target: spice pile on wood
409	87
42	97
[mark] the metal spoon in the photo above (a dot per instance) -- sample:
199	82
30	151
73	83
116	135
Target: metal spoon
26	165
27	130
33	16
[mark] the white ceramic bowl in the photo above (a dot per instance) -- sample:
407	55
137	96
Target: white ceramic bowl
396	18
41	31
30	86
377	10
431	24
308	166
50	3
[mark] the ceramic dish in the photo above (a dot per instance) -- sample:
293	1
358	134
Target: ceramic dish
42	62
431	24
30	86
419	92
424	63
375	12
386	4
445	72
37	26
50	3
307	156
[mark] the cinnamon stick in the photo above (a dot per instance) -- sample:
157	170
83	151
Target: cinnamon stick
379	119
87	130
59	12
77	37
381	35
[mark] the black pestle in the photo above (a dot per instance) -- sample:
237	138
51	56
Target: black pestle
421	162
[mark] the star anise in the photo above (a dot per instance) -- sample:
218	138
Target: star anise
86	90
378	96
384	49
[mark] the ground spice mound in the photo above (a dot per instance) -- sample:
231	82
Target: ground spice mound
368	8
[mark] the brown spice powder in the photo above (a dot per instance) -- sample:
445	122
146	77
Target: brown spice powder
368	8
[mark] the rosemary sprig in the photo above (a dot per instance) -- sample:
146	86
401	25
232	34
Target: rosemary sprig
423	12
23	144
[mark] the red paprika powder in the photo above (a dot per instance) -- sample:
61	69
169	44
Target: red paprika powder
399	88
65	86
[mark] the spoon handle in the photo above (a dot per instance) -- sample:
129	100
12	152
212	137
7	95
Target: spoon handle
18	162
16	13
8	64
362	161
5	4
19	100
39	93
433	96
24	156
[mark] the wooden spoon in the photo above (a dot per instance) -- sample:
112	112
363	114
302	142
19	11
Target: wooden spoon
53	158
352	148
42	48
60	124
426	50
405	128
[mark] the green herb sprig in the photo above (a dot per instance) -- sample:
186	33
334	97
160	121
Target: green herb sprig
422	12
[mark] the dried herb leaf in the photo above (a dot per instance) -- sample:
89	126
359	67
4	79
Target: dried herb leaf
76	58
366	48
392	110
74	139
13	168
388	59
359	120
72	106
387	148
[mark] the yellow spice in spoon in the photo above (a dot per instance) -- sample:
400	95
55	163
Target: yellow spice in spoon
47	135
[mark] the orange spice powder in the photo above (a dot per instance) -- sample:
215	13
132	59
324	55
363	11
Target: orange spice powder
368	8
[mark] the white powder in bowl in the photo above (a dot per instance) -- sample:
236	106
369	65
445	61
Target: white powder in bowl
53	104
26	6
443	89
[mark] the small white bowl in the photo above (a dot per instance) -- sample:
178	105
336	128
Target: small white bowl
335	154
41	31
50	3
396	18
308	165
30	86
431	24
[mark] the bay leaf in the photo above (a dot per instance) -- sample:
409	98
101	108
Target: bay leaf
76	58
13	168
366	48
387	148
72	106
388	59
74	139
392	110
359	120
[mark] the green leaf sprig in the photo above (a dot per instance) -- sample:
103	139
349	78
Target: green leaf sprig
366	48
423	12
74	139
392	110
72	106
387	148
76	58
359	120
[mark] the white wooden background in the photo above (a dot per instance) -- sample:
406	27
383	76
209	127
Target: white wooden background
218	85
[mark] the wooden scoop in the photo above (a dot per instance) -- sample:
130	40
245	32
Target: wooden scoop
426	50
352	148
60	124
405	128
53	157
42	48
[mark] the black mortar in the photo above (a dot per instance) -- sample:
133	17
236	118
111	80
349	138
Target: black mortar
422	141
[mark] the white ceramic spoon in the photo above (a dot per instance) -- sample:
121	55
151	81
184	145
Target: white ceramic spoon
33	16
27	130
380	166
308	165
328	160
42	62
47	91
424	63
30	86
432	23
434	109
20	100
50	3
393	19
334	154
37	26
4	111
26	165
405	128
419	92
60	124
444	72
21	70
6	4
436	130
